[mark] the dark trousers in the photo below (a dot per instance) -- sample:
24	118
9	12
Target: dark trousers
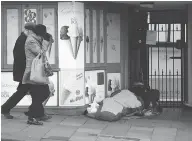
22	90
39	94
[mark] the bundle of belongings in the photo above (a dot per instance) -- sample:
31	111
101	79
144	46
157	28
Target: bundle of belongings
122	103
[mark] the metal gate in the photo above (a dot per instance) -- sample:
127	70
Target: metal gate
165	61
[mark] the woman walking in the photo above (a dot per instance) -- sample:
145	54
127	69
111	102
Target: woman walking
39	92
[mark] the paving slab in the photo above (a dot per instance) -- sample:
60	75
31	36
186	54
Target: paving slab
73	121
61	131
182	135
162	138
179	125
140	122
36	131
17	136
12	127
89	130
54	139
140	132
83	136
168	132
98	126
116	139
116	130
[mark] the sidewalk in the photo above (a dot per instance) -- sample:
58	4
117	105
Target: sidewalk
81	128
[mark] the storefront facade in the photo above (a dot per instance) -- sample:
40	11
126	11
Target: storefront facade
100	49
85	65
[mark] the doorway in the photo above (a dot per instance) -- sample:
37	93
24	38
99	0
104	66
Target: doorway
165	59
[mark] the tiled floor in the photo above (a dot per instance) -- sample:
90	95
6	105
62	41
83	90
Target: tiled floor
80	128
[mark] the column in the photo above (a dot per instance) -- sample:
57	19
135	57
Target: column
71	53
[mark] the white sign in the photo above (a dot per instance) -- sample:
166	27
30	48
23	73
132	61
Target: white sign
71	88
151	37
113	82
8	87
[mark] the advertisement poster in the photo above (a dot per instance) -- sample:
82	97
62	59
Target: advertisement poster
87	20
94	43
101	37
49	22
8	87
71	88
113	82
113	38
71	34
12	32
94	86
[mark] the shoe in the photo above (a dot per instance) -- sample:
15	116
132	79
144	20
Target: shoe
26	113
44	118
33	121
7	115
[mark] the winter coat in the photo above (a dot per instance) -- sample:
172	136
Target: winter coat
19	63
33	46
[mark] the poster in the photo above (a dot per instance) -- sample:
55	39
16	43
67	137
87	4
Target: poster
30	15
71	34
113	82
49	22
12	32
113	38
87	45
94	86
8	87
94	43
102	43
151	37
71	88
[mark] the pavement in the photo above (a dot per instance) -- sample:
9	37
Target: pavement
82	128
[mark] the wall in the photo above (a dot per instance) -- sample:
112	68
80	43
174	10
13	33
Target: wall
189	55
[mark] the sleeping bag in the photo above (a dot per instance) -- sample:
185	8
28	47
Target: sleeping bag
113	108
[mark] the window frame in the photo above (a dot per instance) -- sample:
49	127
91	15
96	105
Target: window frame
5	67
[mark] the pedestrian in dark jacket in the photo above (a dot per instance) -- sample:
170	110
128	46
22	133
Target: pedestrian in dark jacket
19	66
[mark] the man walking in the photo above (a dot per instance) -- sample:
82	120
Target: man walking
18	71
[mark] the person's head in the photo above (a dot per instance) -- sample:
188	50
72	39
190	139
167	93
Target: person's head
40	30
29	28
48	37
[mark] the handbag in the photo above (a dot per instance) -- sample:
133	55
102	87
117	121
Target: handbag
37	70
48	69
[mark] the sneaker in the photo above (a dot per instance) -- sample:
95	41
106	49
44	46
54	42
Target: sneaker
44	118
7	115
33	121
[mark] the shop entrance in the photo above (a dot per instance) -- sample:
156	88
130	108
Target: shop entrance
166	57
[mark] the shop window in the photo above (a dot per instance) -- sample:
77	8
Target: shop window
14	17
49	22
12	32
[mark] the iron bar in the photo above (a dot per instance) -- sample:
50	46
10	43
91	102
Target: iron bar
162	84
173	60
158	60
177	89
